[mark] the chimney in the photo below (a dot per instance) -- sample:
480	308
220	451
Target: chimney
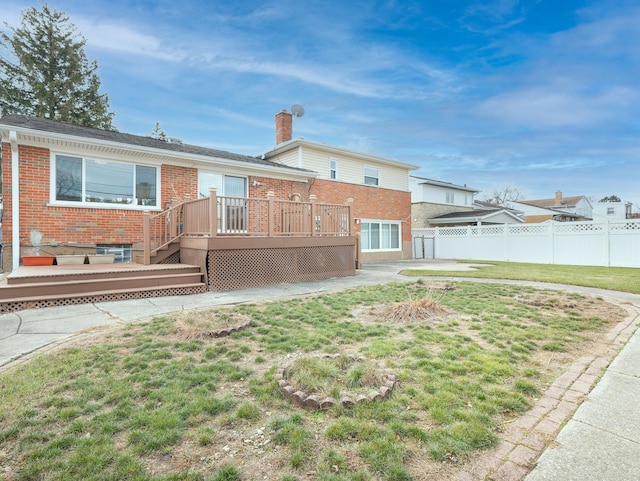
558	197
284	126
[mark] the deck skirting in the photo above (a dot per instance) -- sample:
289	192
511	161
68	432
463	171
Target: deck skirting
239	263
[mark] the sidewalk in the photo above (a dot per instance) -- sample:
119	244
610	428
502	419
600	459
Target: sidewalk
600	442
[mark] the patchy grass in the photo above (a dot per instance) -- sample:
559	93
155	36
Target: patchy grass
144	403
334	377
624	279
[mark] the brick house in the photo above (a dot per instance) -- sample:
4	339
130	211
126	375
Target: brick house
378	186
82	188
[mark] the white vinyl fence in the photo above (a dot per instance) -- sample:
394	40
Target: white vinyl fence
613	243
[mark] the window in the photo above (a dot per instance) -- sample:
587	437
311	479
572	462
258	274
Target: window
91	181
232	212
225	184
611	210
371	176
333	169
380	235
450	198
122	252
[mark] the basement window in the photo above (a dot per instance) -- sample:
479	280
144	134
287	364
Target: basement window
122	252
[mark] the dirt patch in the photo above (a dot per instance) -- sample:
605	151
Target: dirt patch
412	310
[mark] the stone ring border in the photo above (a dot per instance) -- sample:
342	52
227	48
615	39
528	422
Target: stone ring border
314	402
227	331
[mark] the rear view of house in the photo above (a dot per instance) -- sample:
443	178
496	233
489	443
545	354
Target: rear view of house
81	189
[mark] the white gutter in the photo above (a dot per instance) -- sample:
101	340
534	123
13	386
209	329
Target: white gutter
15	200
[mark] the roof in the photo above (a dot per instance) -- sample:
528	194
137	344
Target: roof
549	203
488	205
72	130
466	213
440	183
472	216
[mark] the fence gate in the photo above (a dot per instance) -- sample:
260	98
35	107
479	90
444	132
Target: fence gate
423	247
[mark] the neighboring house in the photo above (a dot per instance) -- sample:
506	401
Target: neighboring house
612	210
437	203
378	186
433	198
558	208
84	188
476	217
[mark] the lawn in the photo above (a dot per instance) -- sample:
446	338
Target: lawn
624	279
155	401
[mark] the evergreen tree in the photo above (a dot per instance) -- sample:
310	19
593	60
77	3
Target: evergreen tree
611	198
158	132
44	72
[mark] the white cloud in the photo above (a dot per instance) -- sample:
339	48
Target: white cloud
124	39
550	107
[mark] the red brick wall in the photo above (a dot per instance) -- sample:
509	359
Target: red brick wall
176	182
83	225
283	189
90	226
371	203
368	202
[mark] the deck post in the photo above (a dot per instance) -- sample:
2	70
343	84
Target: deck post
172	218
146	237
350	205
213	212
314	215
270	208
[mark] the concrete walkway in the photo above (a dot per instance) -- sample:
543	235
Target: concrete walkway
601	441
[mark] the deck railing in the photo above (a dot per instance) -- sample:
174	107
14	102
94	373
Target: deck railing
160	230
238	216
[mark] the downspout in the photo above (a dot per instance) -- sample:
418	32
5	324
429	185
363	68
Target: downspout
15	201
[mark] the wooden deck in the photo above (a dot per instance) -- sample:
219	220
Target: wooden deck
44	286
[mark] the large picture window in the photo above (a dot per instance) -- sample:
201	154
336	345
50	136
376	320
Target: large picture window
380	235
91	181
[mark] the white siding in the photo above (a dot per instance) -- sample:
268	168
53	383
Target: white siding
439	194
443	195
601	210
289	158
584	209
351	169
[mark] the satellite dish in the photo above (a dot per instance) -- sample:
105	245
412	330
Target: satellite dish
297	110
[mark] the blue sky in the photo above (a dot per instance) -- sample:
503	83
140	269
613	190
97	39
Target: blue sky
542	95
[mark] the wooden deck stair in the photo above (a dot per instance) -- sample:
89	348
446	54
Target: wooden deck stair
30	287
162	254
